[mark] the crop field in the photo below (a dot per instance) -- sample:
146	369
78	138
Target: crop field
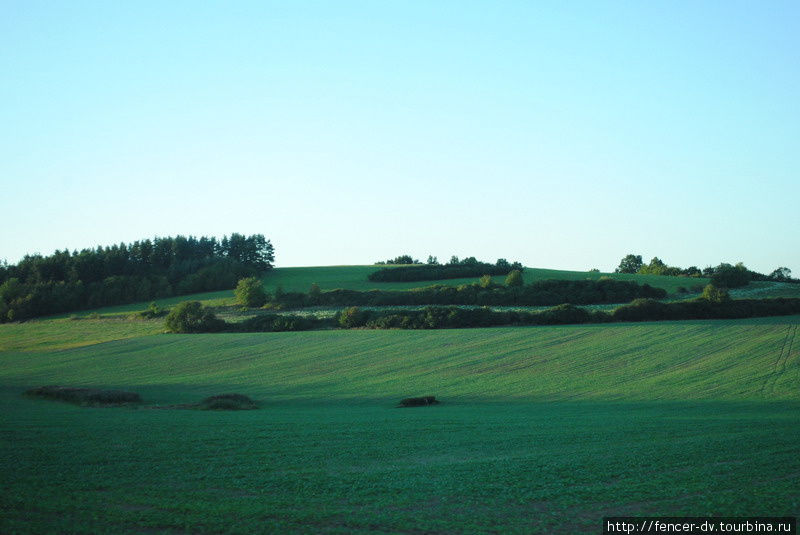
299	279
63	333
540	429
355	278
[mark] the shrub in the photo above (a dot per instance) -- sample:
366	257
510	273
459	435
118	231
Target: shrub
314	293
641	310
192	317
564	314
153	311
485	281
514	278
714	295
250	292
351	317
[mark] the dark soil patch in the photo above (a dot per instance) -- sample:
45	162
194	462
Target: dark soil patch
85	396
419	402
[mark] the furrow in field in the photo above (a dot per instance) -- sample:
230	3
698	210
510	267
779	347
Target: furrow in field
677	360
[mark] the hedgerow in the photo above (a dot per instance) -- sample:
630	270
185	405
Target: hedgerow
452	317
539	293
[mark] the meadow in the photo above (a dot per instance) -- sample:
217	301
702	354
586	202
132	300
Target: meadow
540	429
300	279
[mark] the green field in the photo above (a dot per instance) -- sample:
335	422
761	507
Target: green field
541	429
64	333
299	279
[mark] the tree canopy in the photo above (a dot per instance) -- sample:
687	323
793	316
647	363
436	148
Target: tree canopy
630	264
123	273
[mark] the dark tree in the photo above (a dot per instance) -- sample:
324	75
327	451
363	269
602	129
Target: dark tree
728	276
402	259
630	264
781	274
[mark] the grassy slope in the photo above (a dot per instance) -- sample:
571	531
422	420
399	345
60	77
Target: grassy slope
63	333
299	279
543	429
355	278
720	360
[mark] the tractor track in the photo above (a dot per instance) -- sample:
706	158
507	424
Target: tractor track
780	364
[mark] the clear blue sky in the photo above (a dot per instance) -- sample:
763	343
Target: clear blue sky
560	134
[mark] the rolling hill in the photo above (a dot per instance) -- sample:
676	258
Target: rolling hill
299	279
540	429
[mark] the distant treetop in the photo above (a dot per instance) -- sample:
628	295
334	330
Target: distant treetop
402	259
455	269
723	275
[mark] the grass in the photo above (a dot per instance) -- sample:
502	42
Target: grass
540	429
458	468
733	360
227	402
299	279
64	333
355	278
764	289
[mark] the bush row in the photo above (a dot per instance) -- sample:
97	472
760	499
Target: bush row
540	293
651	310
638	310
461	270
195	318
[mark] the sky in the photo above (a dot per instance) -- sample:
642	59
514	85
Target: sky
560	134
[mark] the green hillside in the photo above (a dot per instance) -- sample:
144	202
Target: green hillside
300	279
720	360
355	278
540	430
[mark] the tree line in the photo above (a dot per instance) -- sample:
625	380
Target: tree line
433	270
192	317
724	275
146	269
250	292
